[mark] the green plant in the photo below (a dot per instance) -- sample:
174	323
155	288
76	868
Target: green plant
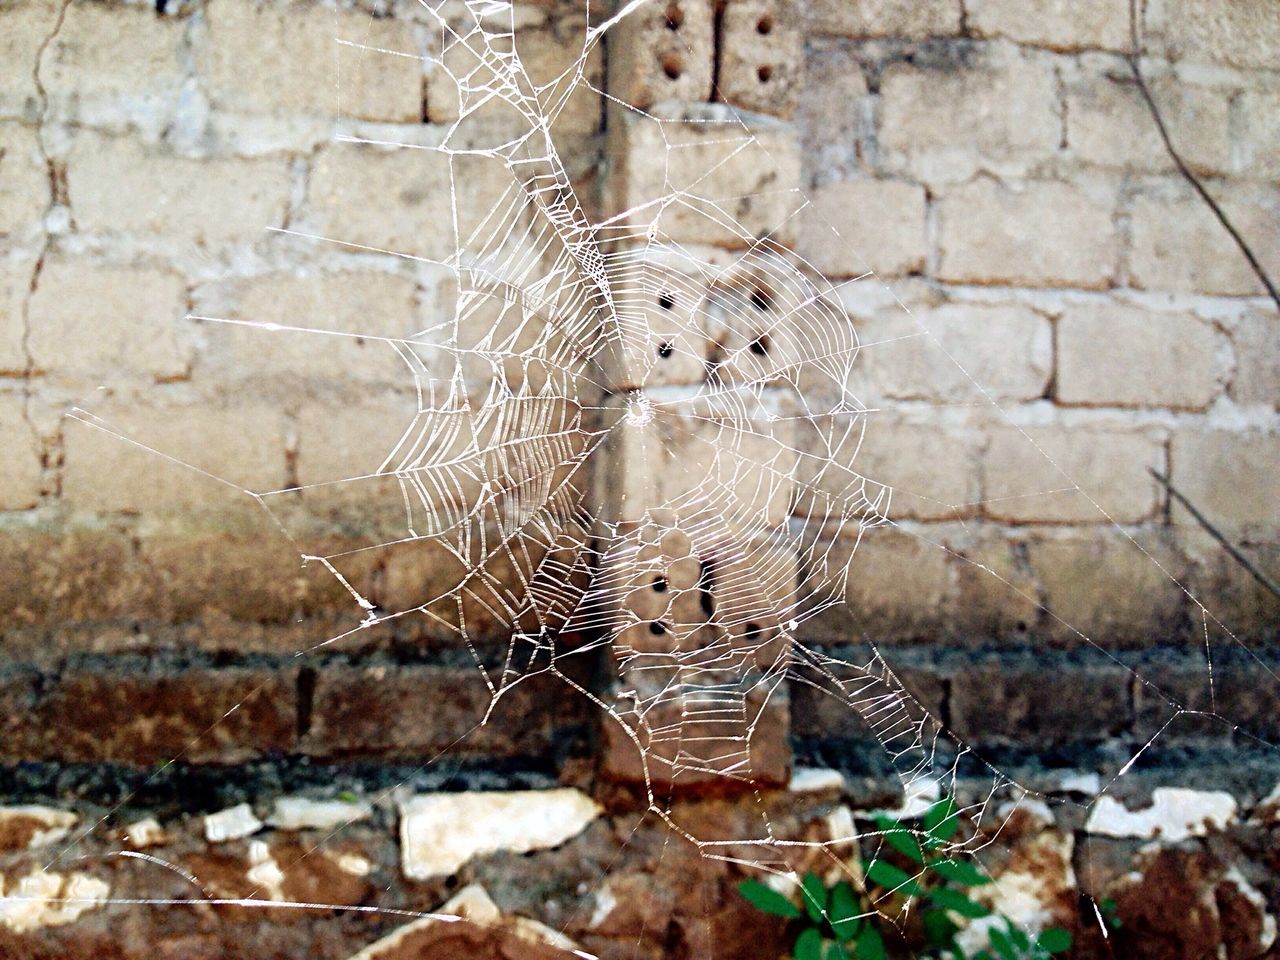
838	922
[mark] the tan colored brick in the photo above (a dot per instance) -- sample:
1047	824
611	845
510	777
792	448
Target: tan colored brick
402	199
1231	478
832	114
24	184
1109	588
1257	374
998	598
1109	124
955	353
895	580
663	51
1259	141
372	305
1057	475
932	471
1178	244
20	462
26	25
941	122
1114	355
274	60
118	186
336	442
865	225
15	282
1239	32
887	18
114	53
96	324
243	445
1066	25
734	185
1041	233
760	55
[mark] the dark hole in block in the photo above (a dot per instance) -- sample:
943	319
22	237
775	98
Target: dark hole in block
657	628
764	26
675	16
761	299
764	73
666	300
672	66
760	346
665	350
660	585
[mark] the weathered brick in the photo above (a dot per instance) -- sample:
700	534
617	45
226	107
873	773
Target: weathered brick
118	186
15	285
24	184
114	55
273	60
26	25
243	444
1108	588
942	122
100	323
20	463
1238	32
1065	25
1178	244
1231	478
760	55
1035	703
954	353
887	18
1057	474
932	470
1257	372
864	225
1231	594
373	305
833	112
829	716
143	716
1237	688
403	200
1041	234
998	598
1259	140
397	711
663	51
1116	355
66	577
753	193
1110	125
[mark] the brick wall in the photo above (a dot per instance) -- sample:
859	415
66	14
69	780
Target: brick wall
990	159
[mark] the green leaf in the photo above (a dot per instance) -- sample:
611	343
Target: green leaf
844	912
767	899
885	874
939	929
1054	940
833	951
1004	946
900	838
814	894
957	901
960	871
942	819
869	945
1018	936
808	945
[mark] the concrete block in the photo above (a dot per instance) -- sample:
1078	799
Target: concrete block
1231	478
1259	141
663	51
1235	32
1257	372
24	185
887	18
1064	25
833	112
20	465
865	225
1041	234
761	55
932	470
1115	355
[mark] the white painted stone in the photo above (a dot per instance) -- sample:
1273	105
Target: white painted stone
47	899
922	794
473	903
815	780
1089	784
440	832
145	833
231	824
50	825
352	863
303	813
605	902
264	872
1175	814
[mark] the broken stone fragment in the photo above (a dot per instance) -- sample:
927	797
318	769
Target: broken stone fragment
47	899
441	832
28	827
145	833
302	813
231	824
816	780
1175	814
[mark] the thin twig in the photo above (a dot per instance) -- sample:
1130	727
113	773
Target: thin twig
1213	531
1134	57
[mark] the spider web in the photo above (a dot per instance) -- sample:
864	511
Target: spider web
621	442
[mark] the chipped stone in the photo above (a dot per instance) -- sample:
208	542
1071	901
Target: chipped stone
302	813
47	899
441	832
233	823
264	872
145	833
1175	814
28	827
816	780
